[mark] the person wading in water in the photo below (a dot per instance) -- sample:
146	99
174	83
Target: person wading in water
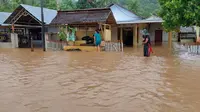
147	44
97	40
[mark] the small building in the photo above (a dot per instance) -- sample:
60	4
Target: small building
26	23
5	40
4	27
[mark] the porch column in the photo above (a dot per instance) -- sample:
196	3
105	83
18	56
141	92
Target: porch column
197	33
104	35
121	34
46	41
135	35
14	40
139	35
170	38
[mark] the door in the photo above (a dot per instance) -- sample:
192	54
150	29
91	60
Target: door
23	41
128	36
158	36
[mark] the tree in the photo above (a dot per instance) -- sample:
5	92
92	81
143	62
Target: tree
4	5
133	6
51	4
67	4
84	4
105	3
176	13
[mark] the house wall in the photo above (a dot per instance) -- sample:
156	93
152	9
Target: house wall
80	34
5	45
12	44
153	28
53	29
114	34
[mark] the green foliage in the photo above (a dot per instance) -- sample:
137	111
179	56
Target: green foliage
67	5
132	5
84	4
51	4
62	34
148	7
142	8
72	29
178	13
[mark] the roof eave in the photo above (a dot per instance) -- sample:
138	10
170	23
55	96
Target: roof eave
138	22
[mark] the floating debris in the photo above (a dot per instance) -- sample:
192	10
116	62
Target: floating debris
77	49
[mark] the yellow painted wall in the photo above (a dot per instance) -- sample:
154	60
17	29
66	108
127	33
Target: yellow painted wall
114	34
80	34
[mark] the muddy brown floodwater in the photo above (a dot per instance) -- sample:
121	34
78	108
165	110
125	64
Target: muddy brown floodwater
60	81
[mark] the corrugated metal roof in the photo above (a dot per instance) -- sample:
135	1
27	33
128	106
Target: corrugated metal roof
123	15
49	14
151	19
154	19
3	17
187	29
82	16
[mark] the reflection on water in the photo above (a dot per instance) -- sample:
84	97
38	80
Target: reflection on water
99	82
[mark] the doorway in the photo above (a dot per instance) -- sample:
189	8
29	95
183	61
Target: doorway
128	36
25	35
158	36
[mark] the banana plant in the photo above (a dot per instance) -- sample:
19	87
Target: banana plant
62	34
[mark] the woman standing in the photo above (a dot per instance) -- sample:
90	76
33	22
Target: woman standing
97	40
147	44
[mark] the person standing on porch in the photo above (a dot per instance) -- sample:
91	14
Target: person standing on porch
97	40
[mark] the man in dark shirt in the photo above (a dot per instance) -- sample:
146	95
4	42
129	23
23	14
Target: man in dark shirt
147	44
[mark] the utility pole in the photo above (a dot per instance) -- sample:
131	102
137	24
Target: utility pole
43	30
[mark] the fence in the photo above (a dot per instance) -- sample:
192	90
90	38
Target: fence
109	46
193	48
55	44
113	46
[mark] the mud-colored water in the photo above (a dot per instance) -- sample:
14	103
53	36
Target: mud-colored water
99	82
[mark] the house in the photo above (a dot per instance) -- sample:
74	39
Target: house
123	24
4	28
156	31
26	22
85	21
5	40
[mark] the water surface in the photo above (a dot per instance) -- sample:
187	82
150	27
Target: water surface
61	81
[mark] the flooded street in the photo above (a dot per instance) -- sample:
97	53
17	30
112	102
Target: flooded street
62	81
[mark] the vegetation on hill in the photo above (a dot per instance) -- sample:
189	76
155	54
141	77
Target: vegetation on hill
142	8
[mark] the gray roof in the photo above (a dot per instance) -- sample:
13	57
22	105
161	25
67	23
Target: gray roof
123	15
154	19
3	17
49	14
187	29
151	19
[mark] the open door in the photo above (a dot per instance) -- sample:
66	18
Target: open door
158	36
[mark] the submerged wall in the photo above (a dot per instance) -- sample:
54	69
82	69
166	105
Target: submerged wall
5	45
12	44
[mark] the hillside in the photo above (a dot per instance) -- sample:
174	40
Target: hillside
142	8
148	6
